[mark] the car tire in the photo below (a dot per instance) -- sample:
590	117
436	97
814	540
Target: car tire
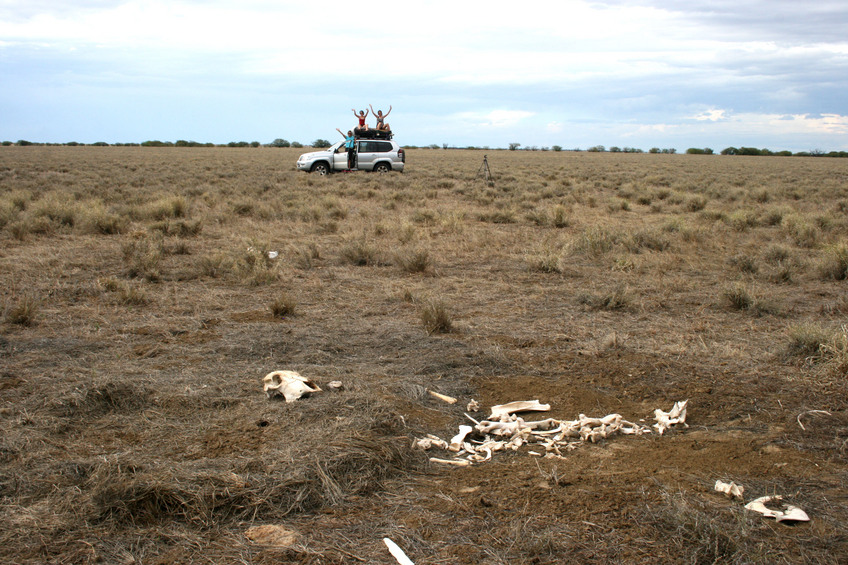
321	168
382	168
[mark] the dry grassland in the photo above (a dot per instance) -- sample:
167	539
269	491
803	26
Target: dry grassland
140	311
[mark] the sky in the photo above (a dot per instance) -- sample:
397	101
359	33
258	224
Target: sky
637	73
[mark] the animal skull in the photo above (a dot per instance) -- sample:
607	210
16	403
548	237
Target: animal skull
288	384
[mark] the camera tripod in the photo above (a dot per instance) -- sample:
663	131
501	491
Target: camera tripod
484	170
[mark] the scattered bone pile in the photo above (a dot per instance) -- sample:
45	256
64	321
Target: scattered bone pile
504	430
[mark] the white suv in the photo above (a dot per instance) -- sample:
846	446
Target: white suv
379	155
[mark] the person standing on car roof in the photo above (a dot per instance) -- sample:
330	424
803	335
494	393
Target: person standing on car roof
381	125
350	147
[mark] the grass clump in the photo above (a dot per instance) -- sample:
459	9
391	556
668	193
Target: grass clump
306	256
127	293
179	228
740	297
834	265
701	533
256	265
360	252
617	298
23	311
835	352
595	241
283	305
745	263
546	260
58	208
436	318
414	260
654	240
806	340
142	256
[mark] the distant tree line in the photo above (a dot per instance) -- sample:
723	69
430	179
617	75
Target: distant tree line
179	143
322	143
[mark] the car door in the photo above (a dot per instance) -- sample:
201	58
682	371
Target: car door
365	155
340	158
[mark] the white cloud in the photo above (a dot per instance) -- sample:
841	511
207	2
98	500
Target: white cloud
504	118
713	115
554	127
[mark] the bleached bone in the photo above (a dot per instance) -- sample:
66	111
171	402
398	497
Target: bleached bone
477	458
288	384
397	552
677	415
473	406
443	397
455	462
793	514
518	406
789	514
335	386
731	489
456	441
431	441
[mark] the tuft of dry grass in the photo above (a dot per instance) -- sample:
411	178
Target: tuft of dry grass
414	260
807	339
834	264
142	256
742	297
23	310
436	317
283	305
616	298
360	252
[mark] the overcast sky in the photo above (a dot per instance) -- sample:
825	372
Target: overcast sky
636	73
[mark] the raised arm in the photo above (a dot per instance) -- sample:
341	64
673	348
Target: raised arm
341	132
389	112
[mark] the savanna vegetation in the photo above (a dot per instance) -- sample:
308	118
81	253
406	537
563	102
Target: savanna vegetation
147	290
